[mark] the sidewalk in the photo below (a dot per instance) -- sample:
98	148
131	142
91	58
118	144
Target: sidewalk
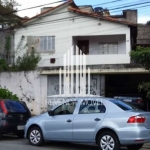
146	146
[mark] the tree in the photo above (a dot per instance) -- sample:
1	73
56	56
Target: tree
8	15
142	57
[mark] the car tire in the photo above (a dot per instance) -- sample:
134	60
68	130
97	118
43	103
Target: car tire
1	134
20	135
135	147
109	138
35	136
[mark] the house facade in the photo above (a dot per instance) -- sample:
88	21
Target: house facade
105	40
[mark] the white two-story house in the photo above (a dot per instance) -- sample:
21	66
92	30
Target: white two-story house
106	41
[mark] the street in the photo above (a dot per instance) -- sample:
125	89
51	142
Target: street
14	143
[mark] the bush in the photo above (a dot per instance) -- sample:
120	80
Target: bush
27	62
6	94
3	65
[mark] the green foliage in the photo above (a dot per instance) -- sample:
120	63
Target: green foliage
6	94
141	56
3	65
145	87
7	47
8	13
28	61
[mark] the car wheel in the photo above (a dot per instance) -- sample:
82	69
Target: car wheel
35	136
20	135
1	135
135	147
108	141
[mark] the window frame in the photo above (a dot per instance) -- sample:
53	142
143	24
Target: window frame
109	51
91	105
47	44
62	105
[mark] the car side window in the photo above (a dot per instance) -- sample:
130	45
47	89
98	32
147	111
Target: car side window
66	108
90	107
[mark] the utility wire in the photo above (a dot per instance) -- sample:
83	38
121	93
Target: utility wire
130	5
134	8
54	3
108	2
32	7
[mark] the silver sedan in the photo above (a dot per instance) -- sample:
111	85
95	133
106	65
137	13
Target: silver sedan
109	123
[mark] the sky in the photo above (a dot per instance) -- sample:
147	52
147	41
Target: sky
143	9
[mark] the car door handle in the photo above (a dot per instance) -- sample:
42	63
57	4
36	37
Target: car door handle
97	119
69	121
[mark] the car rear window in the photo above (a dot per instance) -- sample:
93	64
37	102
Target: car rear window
124	106
14	106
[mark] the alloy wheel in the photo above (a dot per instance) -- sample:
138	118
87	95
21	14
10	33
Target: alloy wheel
107	143
35	136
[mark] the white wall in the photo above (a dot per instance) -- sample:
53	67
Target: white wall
95	40
30	87
65	30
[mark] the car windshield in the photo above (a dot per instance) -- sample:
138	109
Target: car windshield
14	106
124	106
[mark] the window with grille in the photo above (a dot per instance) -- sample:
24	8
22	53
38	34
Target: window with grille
108	48
47	43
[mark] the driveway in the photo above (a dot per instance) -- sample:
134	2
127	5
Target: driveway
13	143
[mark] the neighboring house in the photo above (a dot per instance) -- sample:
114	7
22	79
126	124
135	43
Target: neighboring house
106	40
143	38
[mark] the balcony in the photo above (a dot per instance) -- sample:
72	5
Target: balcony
99	50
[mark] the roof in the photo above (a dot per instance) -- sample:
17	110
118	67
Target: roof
49	10
76	9
72	95
107	18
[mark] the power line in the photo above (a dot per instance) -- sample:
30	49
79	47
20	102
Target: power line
108	2
33	7
130	5
124	4
134	8
54	3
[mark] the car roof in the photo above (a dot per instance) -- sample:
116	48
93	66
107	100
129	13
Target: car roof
73	95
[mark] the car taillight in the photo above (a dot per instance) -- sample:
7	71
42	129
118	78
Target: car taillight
2	104
136	119
139	100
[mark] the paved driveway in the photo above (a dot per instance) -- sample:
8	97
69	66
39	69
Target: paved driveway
13	143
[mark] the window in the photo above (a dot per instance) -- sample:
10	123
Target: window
124	106
47	43
65	109
108	48
14	106
90	107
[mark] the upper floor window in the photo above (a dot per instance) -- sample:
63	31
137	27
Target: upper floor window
108	48
47	43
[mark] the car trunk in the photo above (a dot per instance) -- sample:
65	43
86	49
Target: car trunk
147	116
17	117
16	112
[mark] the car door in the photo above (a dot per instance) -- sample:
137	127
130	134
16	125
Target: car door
88	120
59	126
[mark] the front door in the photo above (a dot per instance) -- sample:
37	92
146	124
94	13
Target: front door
88	120
59	126
83	46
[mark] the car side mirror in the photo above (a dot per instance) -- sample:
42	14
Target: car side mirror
51	113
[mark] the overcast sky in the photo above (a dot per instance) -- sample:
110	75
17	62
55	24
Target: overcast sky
143	12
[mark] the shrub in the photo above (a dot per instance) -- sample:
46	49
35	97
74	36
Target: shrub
6	94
